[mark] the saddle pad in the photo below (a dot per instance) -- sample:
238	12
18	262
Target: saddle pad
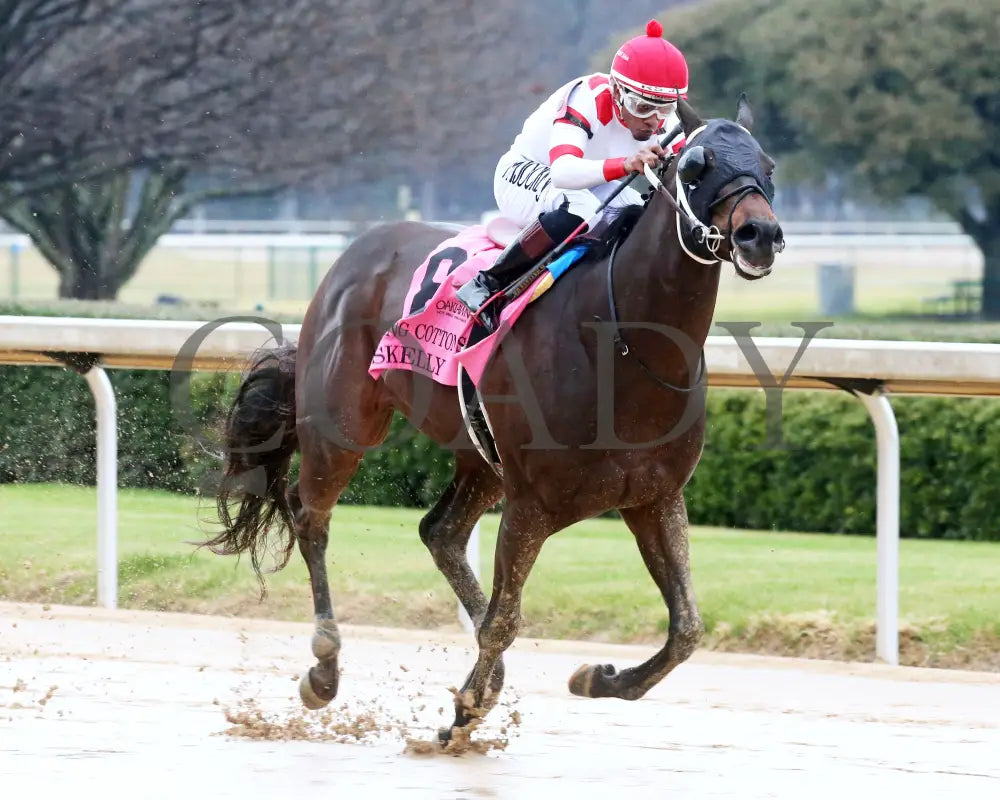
430	337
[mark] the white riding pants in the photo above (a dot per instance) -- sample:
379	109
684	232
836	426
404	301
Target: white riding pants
523	189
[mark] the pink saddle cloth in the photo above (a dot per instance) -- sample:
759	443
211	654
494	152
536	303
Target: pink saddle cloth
434	328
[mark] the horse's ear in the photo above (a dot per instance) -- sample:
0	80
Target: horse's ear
688	116
744	112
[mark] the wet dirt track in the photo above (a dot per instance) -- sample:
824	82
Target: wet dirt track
96	703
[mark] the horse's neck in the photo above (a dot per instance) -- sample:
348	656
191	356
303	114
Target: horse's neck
657	282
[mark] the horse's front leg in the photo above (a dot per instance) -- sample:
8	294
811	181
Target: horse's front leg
446	528
518	543
661	531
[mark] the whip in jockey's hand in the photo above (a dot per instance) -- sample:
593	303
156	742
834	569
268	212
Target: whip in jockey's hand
574	150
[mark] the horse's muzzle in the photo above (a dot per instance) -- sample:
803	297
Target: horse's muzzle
755	244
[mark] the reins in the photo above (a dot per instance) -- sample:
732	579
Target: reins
623	347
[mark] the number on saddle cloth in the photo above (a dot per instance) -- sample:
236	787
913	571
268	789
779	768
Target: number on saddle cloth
455	256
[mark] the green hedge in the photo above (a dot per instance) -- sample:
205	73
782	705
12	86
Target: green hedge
47	428
823	479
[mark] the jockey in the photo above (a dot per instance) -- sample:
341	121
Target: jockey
575	148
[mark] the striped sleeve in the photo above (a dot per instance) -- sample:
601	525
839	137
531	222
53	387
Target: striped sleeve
570	170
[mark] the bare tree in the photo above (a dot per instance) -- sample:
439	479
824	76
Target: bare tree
107	107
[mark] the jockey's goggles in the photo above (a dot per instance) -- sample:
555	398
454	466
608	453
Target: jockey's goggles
642	107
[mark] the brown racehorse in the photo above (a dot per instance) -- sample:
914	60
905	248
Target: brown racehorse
595	429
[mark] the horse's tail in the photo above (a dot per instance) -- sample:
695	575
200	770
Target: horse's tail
260	441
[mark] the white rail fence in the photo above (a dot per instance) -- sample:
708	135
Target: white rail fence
871	370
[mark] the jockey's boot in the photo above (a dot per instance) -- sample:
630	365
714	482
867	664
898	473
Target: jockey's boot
530	246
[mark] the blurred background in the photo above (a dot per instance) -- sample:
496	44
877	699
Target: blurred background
224	153
188	159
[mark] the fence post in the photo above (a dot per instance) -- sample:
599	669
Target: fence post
107	487
887	526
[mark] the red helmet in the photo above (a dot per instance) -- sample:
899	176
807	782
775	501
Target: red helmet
649	65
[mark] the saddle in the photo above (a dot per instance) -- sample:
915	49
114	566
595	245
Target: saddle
437	337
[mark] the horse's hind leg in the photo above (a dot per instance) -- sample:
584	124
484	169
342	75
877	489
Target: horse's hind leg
446	528
661	531
324	473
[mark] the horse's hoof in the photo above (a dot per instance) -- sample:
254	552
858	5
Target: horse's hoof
312	699
593	680
444	736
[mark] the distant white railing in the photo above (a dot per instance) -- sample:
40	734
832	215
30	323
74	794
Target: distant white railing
336	233
348	227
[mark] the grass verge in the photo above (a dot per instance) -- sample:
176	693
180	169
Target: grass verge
807	595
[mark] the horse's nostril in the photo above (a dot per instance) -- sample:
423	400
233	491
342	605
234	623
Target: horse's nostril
779	238
746	235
